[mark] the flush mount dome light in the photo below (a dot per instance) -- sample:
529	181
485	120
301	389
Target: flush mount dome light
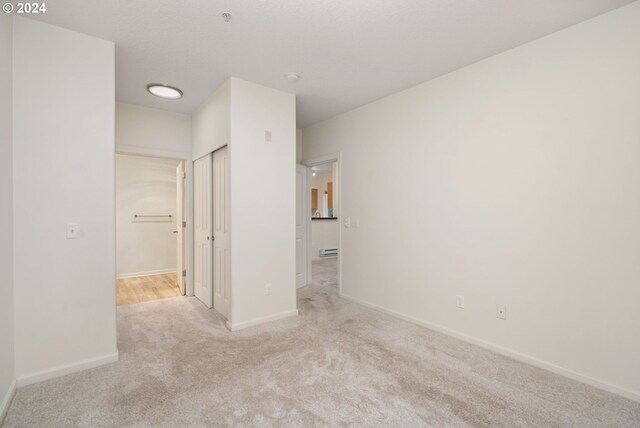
292	77
164	91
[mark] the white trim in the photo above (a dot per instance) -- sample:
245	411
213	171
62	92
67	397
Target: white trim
306	207
257	321
188	235
519	356
146	273
143	151
6	401
309	259
66	369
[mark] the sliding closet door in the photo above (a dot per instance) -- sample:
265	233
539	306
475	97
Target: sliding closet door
221	226
202	236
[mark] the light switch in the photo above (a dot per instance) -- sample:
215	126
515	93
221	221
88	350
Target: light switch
72	231
267	136
501	312
347	222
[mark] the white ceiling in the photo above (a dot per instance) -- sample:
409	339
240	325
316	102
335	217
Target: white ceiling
323	168
347	52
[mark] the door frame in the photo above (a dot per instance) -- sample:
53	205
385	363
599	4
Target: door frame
306	207
180	218
319	160
188	200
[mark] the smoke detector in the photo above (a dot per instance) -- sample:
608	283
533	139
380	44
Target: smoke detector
226	16
292	77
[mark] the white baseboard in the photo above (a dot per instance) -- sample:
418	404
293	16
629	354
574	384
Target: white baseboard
6	401
615	389
258	321
66	369
146	273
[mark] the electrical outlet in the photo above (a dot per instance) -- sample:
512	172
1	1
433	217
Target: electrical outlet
501	312
460	302
267	136
267	289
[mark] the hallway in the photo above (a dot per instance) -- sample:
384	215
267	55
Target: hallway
146	288
324	272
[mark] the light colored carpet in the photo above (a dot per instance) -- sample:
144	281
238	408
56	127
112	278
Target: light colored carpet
337	364
325	272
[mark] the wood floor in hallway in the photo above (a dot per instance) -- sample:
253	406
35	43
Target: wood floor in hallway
146	288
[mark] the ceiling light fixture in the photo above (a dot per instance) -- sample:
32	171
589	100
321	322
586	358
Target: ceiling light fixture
226	16
164	91
292	77
314	174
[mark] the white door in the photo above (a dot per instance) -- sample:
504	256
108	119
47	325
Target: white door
302	215
221	225
180	180
202	191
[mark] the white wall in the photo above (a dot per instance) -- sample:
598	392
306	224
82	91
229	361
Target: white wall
336	189
262	175
512	181
142	130
211	125
63	118
7	369
145	186
298	145
324	234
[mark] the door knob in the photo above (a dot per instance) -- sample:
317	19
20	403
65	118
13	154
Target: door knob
175	231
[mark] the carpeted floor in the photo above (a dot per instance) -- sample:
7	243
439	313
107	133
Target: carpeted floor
325	272
337	364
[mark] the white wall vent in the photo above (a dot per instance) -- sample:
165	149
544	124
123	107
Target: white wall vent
329	252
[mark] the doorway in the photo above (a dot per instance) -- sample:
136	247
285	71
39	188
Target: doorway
319	198
150	228
212	249
325	227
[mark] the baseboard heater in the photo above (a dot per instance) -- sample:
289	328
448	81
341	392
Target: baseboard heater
329	252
